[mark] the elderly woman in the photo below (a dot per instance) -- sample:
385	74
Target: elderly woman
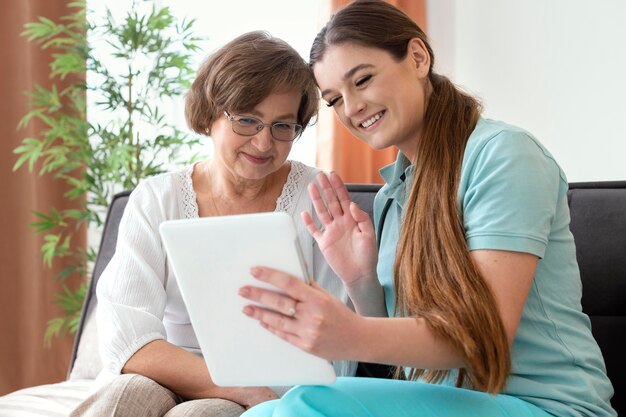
253	97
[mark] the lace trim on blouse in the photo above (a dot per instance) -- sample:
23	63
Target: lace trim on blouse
190	205
285	201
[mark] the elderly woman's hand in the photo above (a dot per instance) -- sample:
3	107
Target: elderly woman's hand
346	237
248	397
307	316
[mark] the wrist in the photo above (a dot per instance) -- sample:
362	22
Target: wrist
234	394
368	297
364	284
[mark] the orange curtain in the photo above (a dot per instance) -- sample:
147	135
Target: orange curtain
26	286
340	151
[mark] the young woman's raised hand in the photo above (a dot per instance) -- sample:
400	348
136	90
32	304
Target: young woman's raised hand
346	237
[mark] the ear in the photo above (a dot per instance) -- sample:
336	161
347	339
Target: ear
419	55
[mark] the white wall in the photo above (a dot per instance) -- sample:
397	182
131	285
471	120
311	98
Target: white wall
555	67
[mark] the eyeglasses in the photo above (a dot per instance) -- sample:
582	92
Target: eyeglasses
249	126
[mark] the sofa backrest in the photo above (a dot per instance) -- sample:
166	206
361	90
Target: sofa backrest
82	364
598	212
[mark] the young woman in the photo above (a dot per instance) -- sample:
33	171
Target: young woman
253	97
476	268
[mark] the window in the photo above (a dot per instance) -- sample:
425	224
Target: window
218	22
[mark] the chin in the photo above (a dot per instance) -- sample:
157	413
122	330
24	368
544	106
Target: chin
377	144
373	141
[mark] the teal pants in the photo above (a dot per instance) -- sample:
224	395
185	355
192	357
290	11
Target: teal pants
366	397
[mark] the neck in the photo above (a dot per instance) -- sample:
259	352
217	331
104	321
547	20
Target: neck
409	148
228	186
219	192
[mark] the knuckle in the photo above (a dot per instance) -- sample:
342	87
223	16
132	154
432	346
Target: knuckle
317	322
281	323
289	282
314	333
282	304
307	346
324	302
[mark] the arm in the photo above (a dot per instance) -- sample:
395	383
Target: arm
131	304
131	291
348	243
186	374
410	341
326	328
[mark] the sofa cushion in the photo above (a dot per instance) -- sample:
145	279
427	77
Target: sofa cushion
52	400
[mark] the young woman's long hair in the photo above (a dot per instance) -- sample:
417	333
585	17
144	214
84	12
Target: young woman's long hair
435	278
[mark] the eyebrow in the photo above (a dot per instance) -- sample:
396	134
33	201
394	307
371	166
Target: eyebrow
350	73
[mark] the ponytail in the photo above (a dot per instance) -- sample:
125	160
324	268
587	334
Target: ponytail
435	277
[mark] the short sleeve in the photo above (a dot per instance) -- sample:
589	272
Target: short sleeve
510	193
131	291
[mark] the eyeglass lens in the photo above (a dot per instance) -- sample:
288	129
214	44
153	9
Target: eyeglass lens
249	126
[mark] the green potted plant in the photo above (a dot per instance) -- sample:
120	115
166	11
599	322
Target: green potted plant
133	67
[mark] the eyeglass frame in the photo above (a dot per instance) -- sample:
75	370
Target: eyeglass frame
261	125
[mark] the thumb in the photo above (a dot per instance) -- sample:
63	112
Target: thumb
361	217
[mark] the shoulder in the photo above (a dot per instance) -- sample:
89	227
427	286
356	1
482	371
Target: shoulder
497	146
300	176
163	185
510	190
294	197
303	172
160	192
492	135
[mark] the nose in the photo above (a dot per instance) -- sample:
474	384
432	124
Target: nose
353	105
263	140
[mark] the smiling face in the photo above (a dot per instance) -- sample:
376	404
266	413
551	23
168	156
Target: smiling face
381	100
250	158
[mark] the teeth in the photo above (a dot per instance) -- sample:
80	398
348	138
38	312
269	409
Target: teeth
371	120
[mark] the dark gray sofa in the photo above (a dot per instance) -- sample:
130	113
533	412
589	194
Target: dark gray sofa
598	212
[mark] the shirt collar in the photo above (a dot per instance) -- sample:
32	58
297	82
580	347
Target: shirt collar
397	176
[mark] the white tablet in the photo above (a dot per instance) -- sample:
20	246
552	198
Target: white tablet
211	258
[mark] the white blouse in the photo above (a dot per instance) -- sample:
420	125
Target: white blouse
138	296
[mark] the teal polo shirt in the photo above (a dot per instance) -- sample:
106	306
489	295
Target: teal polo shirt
513	196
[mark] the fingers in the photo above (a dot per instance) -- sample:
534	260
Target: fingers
278	311
340	190
277	323
310	225
294	287
329	196
363	220
278	302
319	205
